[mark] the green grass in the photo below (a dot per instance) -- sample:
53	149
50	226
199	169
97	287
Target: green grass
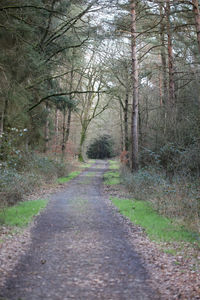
85	165
69	177
91	161
114	164
111	178
158	228
22	213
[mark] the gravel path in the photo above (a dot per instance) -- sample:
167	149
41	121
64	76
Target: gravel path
80	250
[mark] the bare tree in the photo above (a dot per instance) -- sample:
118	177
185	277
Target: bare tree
170	56
134	119
197	20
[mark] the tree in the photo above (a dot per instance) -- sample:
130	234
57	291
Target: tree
100	148
90	105
197	20
135	103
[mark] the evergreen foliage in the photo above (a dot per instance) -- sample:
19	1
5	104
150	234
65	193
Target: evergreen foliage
101	147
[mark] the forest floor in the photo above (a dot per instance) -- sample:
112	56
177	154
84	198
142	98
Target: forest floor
80	247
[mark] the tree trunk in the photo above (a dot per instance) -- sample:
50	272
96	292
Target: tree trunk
197	20
122	131
68	125
171	99
56	130
1	122
82	140
63	134
126	141
134	119
5	116
46	130
163	59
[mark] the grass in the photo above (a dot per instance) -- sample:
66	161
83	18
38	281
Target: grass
72	175
91	161
158	228
85	165
111	178
22	213
114	164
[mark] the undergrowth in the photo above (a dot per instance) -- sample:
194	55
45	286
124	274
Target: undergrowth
157	227
114	164
178	199
21	214
27	174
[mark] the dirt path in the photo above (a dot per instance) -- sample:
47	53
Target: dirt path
80	250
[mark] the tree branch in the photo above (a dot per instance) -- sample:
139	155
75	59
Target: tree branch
61	94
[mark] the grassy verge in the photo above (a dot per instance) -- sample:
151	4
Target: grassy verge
85	165
114	164
112	177
158	228
21	214
72	175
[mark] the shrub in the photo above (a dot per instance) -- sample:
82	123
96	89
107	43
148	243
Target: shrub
149	158
189	161
178	199
101	147
14	185
142	183
28	173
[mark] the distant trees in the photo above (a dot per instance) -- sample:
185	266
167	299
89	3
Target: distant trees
164	46
37	39
90	104
63	64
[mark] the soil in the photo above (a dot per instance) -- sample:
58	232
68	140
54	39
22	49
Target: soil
81	249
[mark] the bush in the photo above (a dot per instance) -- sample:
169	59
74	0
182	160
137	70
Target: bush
143	183
29	172
149	158
179	199
101	147
174	160
14	185
190	160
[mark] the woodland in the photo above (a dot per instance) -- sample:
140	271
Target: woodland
79	71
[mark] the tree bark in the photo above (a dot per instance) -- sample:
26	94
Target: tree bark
46	130
63	134
82	140
134	119
68	125
5	115
197	20
122	148
126	141
163	58
1	121
56	130
171	100
65	130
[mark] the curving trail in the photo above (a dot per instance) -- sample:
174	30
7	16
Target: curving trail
80	250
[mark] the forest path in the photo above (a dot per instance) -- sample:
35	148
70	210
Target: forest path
80	250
